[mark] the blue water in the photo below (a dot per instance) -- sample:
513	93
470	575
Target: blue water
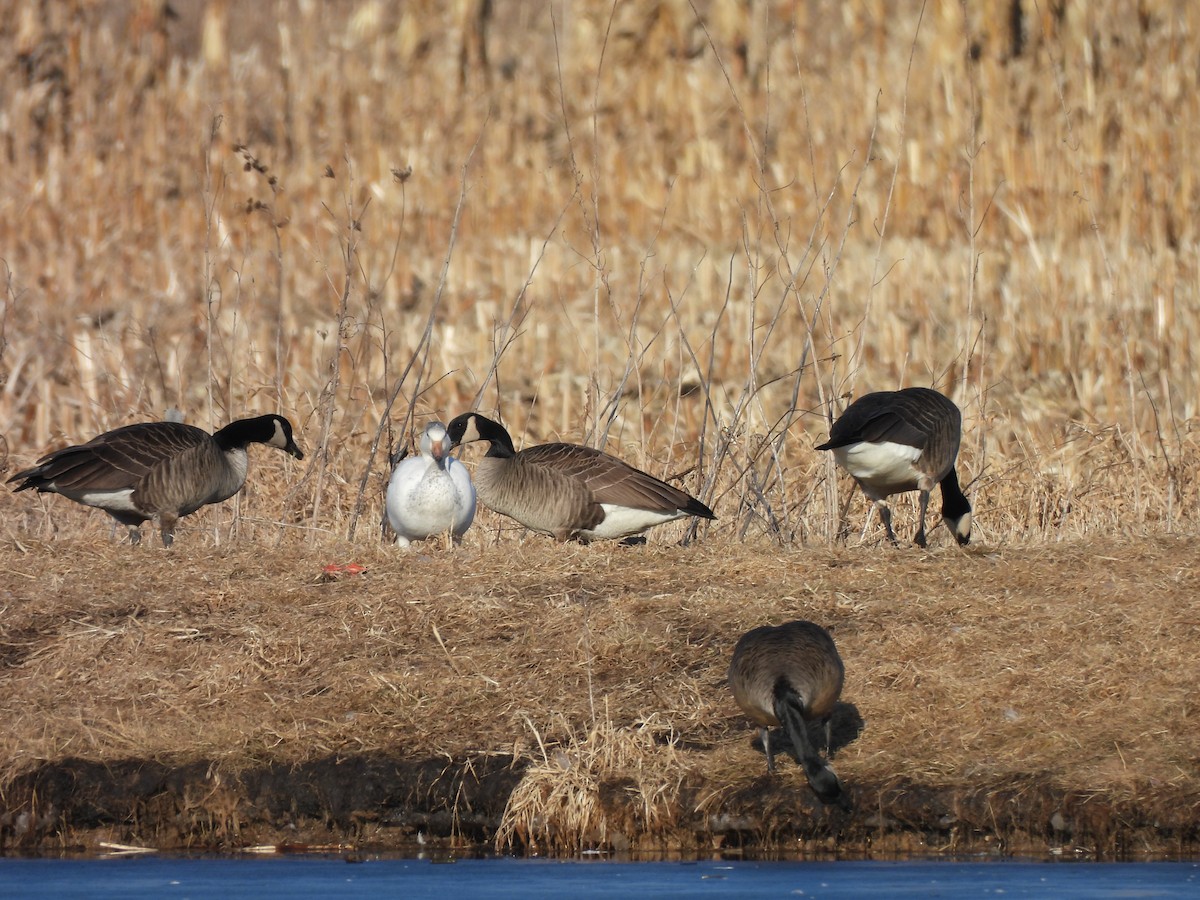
299	877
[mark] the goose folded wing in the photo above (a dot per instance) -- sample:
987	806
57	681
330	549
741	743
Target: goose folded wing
877	426
609	480
123	457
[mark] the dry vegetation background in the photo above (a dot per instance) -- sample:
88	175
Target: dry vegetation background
688	234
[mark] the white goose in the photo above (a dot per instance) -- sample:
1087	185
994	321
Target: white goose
432	493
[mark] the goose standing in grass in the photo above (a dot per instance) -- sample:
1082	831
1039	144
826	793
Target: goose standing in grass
896	441
431	493
163	470
568	491
789	675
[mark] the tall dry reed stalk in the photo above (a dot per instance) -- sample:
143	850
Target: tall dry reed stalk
689	236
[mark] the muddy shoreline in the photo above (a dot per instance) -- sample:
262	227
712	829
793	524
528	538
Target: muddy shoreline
381	802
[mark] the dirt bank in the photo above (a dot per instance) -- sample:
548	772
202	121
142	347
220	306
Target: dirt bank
544	699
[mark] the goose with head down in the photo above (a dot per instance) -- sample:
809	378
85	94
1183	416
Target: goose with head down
789	675
896	441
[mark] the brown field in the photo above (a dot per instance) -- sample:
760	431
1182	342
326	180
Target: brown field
688	234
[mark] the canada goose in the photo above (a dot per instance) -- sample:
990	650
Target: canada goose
157	469
788	675
568	491
895	441
431	493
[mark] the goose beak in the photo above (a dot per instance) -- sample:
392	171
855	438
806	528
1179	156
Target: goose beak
294	450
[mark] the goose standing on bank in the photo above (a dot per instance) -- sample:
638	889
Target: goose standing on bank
163	470
789	675
569	491
896	441
431	493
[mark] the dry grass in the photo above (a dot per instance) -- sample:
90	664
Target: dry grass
686	238
599	672
683	233
559	804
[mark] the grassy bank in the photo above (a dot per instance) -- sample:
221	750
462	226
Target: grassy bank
688	234
526	698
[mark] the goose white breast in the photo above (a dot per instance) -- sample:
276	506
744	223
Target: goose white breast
431	493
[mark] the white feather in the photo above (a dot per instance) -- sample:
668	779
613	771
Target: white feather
881	468
121	500
239	464
431	493
620	521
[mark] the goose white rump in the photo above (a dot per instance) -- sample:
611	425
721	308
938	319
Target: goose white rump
621	521
881	467
432	493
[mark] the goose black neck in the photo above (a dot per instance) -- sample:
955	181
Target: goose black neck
789	710
497	450
955	504
236	435
500	444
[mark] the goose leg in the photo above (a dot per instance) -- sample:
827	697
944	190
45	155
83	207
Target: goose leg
132	523
862	538
766	741
166	525
919	540
885	515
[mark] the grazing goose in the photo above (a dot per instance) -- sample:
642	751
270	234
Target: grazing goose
431	493
568	491
789	675
895	441
157	469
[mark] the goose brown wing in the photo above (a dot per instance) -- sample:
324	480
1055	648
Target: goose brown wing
892	426
118	459
873	419
608	479
932	413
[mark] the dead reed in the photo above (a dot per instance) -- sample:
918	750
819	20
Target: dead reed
688	236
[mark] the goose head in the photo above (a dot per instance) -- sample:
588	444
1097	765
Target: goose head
471	426
436	443
281	436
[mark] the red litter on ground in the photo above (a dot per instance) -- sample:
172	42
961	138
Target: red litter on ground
337	570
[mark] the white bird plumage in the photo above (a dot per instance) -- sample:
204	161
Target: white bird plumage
432	493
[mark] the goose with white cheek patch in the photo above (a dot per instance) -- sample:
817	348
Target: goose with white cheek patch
568	491
431	493
789	675
163	470
896	441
